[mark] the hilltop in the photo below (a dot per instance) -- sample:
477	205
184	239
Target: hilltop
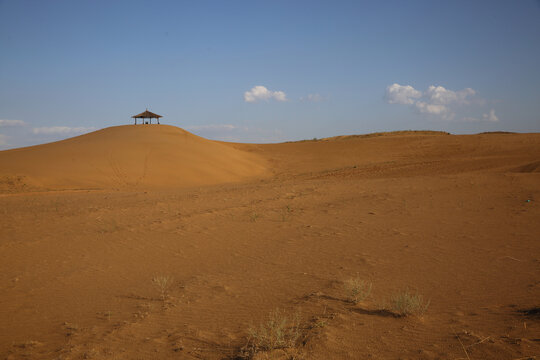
127	156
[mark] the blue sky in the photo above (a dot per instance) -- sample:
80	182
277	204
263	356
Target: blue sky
267	71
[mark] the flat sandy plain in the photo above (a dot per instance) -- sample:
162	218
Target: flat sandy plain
241	230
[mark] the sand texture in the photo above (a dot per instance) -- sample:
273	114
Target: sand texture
148	242
128	157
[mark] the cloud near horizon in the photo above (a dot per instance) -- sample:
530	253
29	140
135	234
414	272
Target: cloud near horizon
213	127
53	130
491	116
261	93
235	133
485	117
436	101
313	98
11	123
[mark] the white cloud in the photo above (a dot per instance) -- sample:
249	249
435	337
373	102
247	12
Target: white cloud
491	116
53	130
436	101
12	123
312	98
259	92
3	140
434	109
441	96
399	94
280	96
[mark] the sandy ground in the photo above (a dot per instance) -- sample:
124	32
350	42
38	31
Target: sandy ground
87	224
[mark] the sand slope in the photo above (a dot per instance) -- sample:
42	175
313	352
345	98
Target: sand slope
150	155
454	218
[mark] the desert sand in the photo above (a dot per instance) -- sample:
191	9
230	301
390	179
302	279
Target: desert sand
91	226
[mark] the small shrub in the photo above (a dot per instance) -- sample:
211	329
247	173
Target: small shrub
406	303
320	323
163	284
357	290
254	216
277	332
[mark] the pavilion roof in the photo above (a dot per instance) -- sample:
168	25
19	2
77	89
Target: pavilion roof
146	115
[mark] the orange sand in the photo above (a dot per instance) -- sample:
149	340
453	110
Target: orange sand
130	157
244	229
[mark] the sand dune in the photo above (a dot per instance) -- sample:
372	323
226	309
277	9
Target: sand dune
278	226
152	155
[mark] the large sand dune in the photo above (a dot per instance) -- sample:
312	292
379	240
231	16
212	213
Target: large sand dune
278	226
132	156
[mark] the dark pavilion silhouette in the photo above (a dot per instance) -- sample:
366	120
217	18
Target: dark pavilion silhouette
146	115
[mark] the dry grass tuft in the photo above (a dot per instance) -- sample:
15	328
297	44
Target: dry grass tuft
357	290
406	303
277	332
163	284
253	217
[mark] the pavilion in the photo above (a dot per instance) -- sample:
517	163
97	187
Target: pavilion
146	115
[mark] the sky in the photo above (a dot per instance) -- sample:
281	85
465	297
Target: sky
268	71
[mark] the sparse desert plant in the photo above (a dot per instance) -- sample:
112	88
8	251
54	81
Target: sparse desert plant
254	216
286	213
357	290
407	303
163	284
277	332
